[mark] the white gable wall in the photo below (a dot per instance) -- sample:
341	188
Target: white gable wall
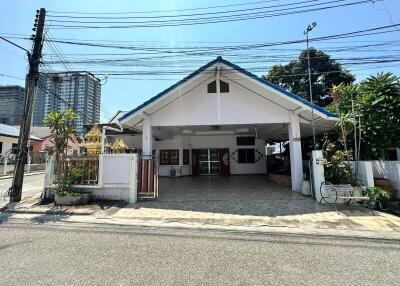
239	106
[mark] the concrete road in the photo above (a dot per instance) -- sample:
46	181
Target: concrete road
52	253
32	185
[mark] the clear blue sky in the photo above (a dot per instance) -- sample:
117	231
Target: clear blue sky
124	93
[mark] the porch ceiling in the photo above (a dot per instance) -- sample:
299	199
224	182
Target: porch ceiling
273	131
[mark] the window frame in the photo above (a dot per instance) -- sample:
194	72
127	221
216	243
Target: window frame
166	157
247	151
212	86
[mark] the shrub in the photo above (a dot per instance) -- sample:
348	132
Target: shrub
338	169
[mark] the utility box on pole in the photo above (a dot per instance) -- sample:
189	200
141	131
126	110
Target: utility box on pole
30	89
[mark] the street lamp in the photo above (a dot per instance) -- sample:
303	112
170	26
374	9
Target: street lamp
309	29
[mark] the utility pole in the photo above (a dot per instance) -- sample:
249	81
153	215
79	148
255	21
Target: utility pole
309	29
30	91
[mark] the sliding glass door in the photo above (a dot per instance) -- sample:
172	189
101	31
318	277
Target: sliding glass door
208	162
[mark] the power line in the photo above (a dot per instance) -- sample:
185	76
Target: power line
210	19
161	11
11	76
180	15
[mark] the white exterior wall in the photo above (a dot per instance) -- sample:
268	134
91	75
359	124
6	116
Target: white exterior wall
201	142
239	106
7	143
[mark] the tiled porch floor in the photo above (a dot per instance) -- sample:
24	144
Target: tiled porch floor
241	194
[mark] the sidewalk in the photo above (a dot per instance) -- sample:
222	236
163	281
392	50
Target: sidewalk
355	221
353	218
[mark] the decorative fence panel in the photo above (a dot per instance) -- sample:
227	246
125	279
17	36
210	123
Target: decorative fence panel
90	165
147	181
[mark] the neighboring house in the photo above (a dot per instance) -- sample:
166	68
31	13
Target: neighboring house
46	140
9	138
217	120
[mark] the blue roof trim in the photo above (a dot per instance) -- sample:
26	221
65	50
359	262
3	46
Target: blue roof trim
239	69
170	88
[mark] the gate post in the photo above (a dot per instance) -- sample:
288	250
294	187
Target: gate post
318	175
133	161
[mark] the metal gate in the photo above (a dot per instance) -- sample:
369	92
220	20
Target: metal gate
147	183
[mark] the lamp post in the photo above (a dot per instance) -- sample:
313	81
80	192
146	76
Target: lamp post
309	29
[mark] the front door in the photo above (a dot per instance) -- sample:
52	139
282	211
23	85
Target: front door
208	162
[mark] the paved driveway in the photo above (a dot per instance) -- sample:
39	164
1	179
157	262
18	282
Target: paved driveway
241	194
249	201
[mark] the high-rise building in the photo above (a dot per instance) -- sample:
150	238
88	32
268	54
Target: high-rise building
79	90
11	104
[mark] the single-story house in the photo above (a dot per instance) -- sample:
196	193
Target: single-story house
46	143
216	121
9	138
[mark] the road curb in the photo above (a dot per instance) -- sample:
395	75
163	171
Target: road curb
25	175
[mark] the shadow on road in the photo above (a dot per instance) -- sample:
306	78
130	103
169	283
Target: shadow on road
46	218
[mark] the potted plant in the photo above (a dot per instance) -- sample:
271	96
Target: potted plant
376	196
66	195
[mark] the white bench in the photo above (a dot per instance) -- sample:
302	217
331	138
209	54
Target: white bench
336	192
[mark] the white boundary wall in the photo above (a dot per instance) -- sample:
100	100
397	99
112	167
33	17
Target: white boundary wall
389	170
365	174
117	177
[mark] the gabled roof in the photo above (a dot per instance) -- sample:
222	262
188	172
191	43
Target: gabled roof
10	131
238	69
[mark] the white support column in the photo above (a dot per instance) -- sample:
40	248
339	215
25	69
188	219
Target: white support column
296	160
318	174
147	136
133	178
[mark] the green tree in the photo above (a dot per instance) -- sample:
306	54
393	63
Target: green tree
325	72
379	107
61	128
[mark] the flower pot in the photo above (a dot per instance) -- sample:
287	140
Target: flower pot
71	200
306	188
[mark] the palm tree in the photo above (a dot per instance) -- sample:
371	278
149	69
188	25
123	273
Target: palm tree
61	129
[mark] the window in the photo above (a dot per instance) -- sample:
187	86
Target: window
212	87
246	156
223	87
14	148
1	147
185	157
169	157
245	141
